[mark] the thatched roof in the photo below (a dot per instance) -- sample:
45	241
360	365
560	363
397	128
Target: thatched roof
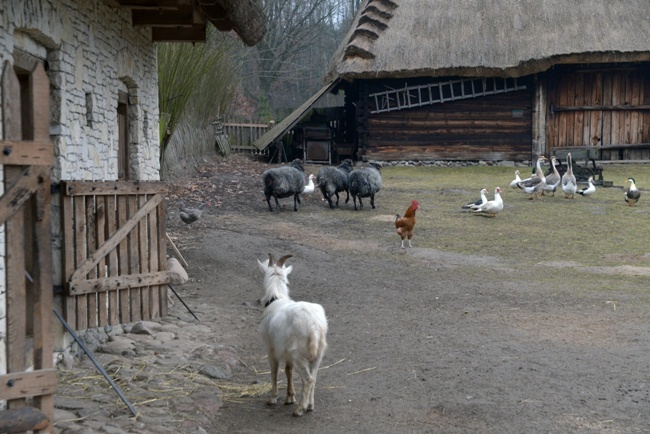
406	38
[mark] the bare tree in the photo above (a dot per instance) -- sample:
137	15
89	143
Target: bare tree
290	62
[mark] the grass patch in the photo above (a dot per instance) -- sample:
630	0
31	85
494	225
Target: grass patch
588	231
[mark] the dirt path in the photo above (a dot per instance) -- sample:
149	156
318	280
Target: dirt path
424	341
419	341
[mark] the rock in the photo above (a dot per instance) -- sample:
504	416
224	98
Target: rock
164	336
177	273
215	372
144	327
120	347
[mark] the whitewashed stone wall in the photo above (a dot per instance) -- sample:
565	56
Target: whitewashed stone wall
92	51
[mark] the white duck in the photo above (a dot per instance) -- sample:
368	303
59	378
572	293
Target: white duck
633	194
552	180
569	183
534	184
477	202
309	188
513	183
492	207
589	190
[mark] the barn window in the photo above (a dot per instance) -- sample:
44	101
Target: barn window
123	135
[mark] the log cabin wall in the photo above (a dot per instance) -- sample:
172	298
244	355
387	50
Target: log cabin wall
600	105
493	127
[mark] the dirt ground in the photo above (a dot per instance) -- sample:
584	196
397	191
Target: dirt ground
418	341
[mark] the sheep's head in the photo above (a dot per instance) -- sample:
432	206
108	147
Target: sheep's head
275	279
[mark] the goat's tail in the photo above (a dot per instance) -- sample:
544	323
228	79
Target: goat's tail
317	343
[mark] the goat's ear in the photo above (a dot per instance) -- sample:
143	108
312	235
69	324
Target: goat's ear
263	265
288	269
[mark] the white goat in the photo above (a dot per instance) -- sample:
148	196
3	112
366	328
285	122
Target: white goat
294	332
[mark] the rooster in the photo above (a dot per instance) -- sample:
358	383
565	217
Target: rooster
190	215
405	225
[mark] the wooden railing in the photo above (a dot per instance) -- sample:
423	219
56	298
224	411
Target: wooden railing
242	135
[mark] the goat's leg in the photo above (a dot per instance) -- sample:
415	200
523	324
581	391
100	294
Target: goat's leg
347	197
268	200
372	201
277	203
314	374
360	203
274	380
307	384
337	198
295	202
291	391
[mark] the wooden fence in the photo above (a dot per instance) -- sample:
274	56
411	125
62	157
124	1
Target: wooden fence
114	252
242	135
27	155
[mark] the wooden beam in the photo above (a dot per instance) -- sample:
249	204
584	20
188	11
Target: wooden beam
20	190
19	153
149	4
600	108
182	17
80	188
25	384
179	34
118	282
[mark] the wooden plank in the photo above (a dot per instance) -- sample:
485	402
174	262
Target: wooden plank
81	254
123	258
92	210
43	296
113	283
617	99
24	384
146	207
578	120
19	188
154	294
16	304
27	153
134	260
606	134
145	251
162	255
627	125
39	95
635	100
113	258
74	188
597	115
68	223
102	272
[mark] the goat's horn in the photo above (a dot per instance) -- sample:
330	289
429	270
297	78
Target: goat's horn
280	262
270	260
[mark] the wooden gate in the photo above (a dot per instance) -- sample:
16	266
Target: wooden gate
26	156
114	252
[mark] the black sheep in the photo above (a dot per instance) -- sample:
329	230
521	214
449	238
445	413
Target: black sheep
285	181
332	180
365	183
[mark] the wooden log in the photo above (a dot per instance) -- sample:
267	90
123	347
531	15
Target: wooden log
22	420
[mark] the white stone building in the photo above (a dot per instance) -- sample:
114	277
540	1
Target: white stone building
100	59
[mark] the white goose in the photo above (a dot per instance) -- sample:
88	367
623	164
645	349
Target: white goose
589	190
633	194
569	183
491	207
534	184
477	202
513	183
309	188
552	180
